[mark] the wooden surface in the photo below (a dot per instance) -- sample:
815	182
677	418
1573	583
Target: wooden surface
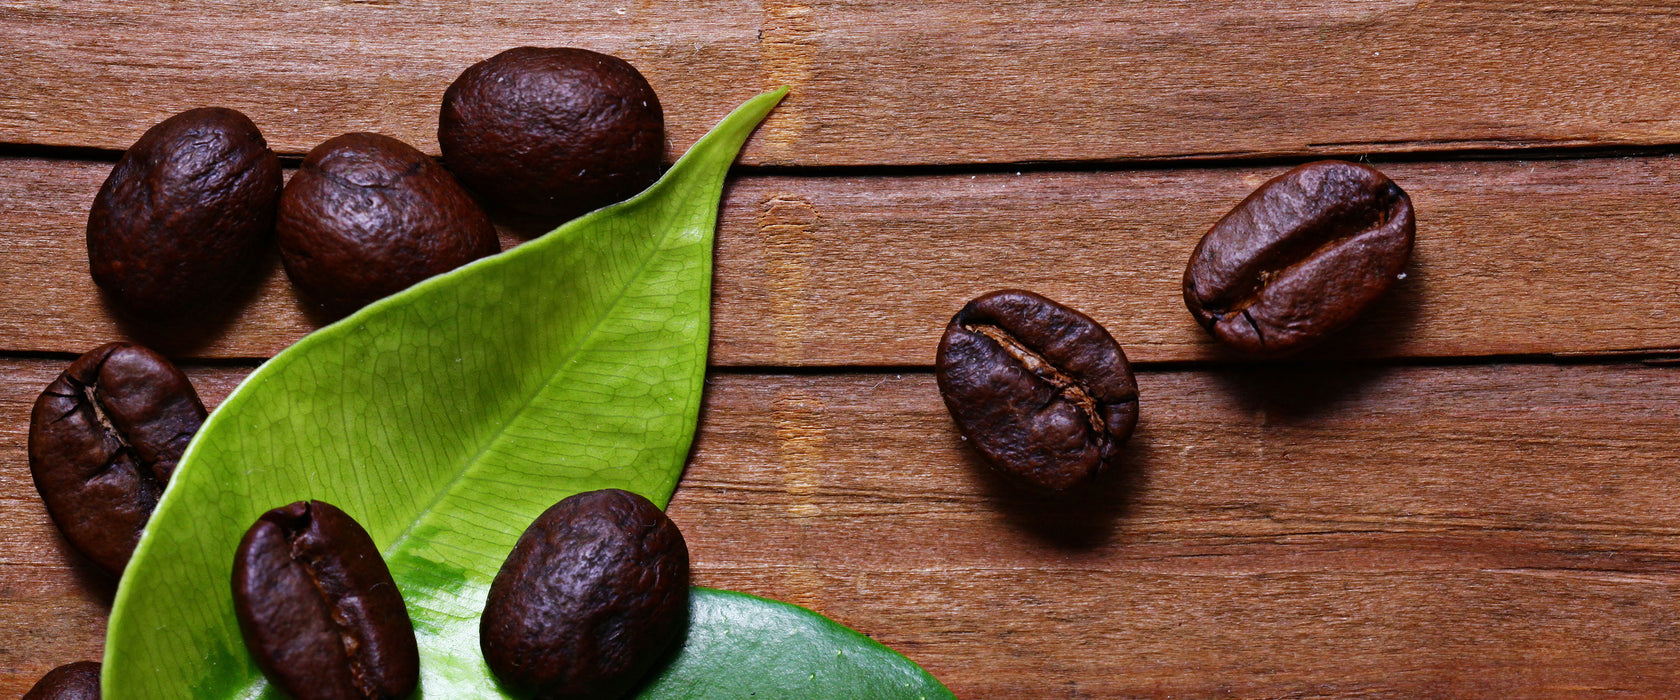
1513	257
1472	493
881	82
1498	530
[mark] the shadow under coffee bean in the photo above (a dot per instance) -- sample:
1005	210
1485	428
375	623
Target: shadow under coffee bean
1300	257
1041	390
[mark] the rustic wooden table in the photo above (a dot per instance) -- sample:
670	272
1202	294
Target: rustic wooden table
1472	493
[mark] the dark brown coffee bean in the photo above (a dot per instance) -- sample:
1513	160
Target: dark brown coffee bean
1300	258
318	609
367	215
549	134
186	214
1041	390
77	681
103	440
593	594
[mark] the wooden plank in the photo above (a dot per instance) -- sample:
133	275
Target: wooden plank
876	83
1402	532
1398	532
1513	257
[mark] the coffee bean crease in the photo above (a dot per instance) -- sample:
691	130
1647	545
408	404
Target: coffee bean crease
1069	388
1042	391
1300	257
318	608
104	439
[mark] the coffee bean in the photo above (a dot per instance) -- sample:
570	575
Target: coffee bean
77	681
103	440
318	609
1041	390
367	215
186	214
549	134
593	594
1300	257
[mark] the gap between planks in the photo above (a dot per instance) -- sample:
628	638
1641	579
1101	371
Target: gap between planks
1514	258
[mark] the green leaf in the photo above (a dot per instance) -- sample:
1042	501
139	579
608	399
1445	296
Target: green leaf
742	646
445	419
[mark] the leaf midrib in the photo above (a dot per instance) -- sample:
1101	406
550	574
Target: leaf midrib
530	399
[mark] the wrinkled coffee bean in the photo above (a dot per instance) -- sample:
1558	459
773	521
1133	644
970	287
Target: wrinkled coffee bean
77	681
1300	257
367	215
318	609
549	134
593	594
1041	390
103	440
186	214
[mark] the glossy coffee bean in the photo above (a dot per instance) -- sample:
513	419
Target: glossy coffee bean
104	439
77	681
1300	257
594	593
367	215
318	609
1041	390
551	133
186	214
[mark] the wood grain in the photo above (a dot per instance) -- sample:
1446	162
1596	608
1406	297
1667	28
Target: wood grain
1497	531
1513	257
878	82
1315	529
1392	532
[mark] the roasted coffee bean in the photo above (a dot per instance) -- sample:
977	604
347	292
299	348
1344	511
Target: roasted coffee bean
367	215
593	594
318	609
186	214
1041	390
77	681
1300	258
103	440
548	134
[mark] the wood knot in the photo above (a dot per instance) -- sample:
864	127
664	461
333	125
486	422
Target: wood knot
785	212
787	49
785	226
